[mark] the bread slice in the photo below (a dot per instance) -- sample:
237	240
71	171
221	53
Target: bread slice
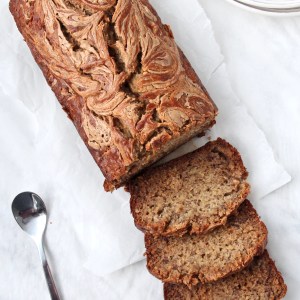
260	281
194	193
191	259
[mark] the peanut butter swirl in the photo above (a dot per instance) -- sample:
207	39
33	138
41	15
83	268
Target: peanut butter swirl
136	90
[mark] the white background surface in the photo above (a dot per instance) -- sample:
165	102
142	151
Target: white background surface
261	56
263	62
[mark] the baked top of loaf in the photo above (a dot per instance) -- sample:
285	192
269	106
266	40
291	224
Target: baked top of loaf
191	259
260	281
119	75
193	193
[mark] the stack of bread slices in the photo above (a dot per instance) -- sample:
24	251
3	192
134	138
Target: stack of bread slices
203	238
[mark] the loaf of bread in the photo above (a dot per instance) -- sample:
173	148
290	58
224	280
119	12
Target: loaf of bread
260	281
191	259
118	73
193	193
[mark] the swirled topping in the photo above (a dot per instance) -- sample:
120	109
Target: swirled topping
126	68
92	5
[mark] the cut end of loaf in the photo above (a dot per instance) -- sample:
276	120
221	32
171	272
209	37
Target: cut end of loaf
194	193
191	259
150	157
261	280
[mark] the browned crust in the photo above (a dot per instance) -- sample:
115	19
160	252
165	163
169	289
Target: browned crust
193	278
116	175
201	292
278	277
192	74
162	228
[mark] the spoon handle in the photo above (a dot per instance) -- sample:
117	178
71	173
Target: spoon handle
51	285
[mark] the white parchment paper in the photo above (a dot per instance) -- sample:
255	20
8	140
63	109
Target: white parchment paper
91	233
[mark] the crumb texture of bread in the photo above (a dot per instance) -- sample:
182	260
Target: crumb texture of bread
118	73
191	259
193	193
260	281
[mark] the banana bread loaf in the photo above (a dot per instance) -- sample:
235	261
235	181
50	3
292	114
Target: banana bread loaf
191	259
117	72
260	281
193	193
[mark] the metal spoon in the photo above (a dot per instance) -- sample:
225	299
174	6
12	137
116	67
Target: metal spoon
30	213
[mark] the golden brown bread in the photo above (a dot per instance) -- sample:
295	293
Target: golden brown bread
193	193
117	72
260	281
191	259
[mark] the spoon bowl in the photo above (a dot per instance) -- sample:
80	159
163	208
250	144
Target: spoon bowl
30	213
